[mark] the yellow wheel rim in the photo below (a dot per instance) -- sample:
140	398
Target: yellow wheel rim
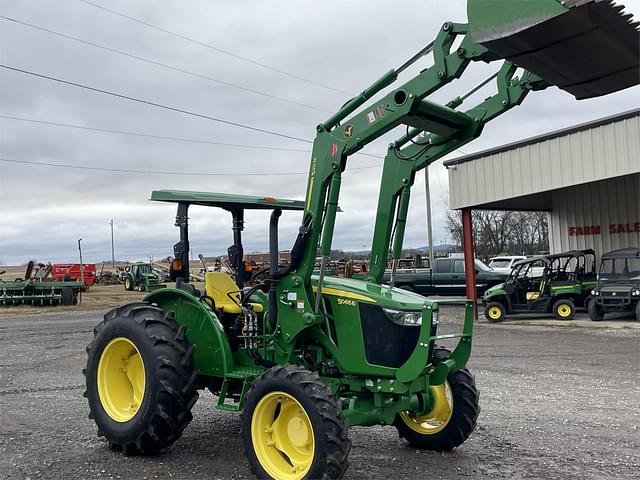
439	416
121	379
127	284
564	310
282	436
494	313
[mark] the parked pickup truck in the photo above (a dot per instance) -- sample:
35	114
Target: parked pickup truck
445	278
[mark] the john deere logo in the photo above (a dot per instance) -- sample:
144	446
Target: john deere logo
348	131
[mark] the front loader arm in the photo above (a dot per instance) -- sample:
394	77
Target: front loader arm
339	136
401	164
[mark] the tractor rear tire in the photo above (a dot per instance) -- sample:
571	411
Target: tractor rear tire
461	415
128	284
140	378
494	312
290	416
595	313
564	309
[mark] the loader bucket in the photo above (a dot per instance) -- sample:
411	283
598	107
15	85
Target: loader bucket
585	47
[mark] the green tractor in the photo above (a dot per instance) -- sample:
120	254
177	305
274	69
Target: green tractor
301	356
552	284
140	276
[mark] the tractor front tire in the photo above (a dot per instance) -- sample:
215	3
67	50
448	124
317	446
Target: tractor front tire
128	284
638	311
292	427
564	309
140	378
494	312
456	406
595	313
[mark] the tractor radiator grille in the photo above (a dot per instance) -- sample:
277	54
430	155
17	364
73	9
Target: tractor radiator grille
386	343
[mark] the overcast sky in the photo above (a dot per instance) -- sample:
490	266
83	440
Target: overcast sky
338	44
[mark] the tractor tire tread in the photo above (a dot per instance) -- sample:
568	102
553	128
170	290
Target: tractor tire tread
333	425
176	380
465	413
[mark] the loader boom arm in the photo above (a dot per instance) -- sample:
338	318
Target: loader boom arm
442	128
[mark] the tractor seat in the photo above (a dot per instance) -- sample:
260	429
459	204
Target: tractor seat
220	286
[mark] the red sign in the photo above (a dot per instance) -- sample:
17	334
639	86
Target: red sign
614	228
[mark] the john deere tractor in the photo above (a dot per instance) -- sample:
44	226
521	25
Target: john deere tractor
303	357
140	276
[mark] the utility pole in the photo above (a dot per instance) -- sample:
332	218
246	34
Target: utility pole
81	268
429	228
113	250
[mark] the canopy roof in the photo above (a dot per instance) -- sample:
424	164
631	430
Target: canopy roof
225	200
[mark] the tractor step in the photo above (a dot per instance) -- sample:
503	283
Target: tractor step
247	375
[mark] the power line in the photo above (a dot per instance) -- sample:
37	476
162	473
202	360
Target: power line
146	135
164	65
166	107
164	172
163	137
154	104
217	49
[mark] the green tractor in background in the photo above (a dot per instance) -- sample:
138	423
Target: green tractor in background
302	356
140	276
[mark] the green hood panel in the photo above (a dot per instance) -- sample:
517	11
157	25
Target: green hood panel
494	291
363	291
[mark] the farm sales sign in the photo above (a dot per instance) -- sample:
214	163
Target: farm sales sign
613	229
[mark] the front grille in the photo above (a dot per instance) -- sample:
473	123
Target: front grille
612	301
386	343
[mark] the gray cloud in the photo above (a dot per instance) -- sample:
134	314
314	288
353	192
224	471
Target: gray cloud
343	44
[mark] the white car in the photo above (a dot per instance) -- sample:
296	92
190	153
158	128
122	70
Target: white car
504	264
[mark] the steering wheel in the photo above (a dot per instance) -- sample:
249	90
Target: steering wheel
260	275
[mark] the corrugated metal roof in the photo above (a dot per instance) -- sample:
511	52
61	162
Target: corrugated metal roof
520	175
545	136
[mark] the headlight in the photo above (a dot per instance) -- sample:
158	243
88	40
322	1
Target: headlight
407	319
636	292
435	318
593	292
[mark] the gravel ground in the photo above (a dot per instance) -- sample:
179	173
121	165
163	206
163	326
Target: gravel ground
557	403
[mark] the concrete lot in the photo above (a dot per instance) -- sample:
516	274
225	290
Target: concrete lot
557	403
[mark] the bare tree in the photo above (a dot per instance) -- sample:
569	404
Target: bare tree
495	232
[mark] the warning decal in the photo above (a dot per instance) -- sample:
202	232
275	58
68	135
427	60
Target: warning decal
375	114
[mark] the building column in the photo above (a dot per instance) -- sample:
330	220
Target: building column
469	255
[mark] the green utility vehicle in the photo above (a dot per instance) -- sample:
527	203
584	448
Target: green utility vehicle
618	288
565	282
302	357
140	276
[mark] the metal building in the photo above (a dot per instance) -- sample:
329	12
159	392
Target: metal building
587	177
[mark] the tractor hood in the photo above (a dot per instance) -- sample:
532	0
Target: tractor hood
363	291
